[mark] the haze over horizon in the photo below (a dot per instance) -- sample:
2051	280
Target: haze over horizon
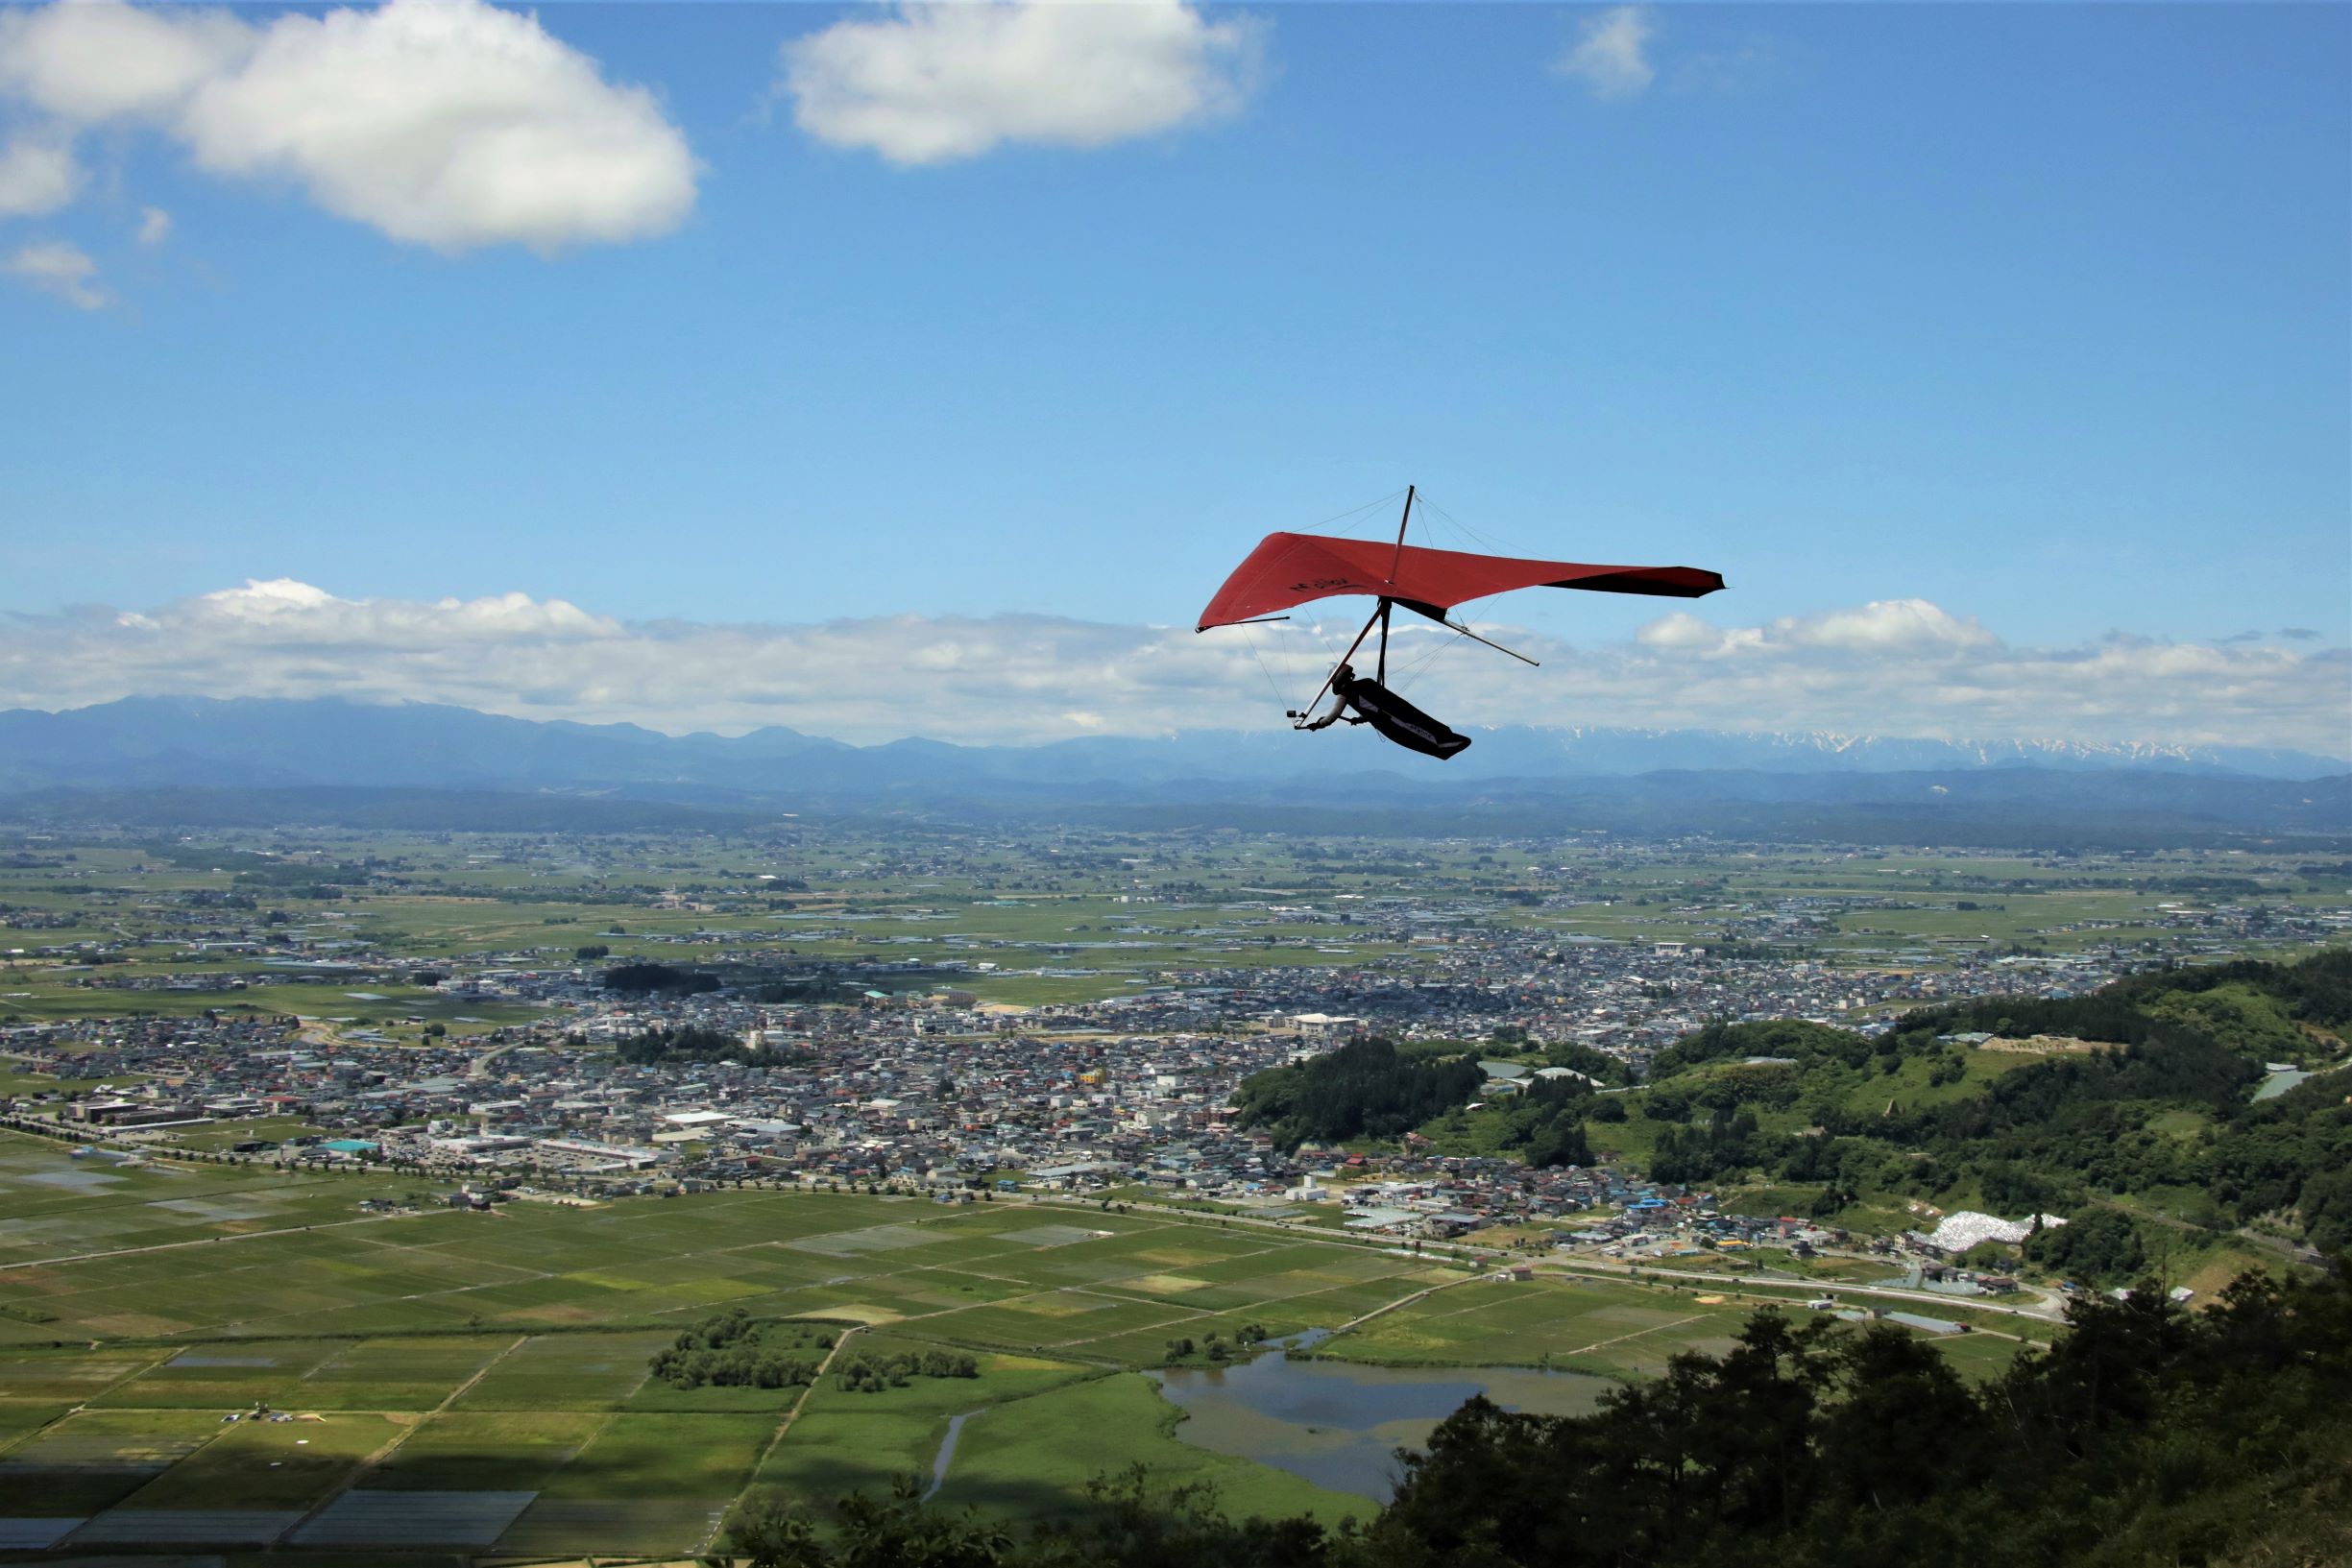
882	372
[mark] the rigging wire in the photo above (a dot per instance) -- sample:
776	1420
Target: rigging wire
1476	537
1264	669
1356	511
1438	648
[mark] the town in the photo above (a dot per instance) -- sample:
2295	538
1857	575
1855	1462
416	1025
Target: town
850	1021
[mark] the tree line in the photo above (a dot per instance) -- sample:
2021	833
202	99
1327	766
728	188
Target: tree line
734	1350
868	1373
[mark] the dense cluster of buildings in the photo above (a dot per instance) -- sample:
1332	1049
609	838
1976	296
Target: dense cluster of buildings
901	1074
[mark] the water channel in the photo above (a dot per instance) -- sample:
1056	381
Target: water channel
946	1451
1339	1424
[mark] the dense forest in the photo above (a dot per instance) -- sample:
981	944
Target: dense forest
639	977
1365	1089
2146	1435
693	1043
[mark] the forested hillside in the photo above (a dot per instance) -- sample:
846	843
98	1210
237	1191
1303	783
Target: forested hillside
2139	1112
2153	1107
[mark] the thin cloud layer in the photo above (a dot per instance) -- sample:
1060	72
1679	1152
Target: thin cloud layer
66	271
932	83
38	175
444	123
1610	55
1895	668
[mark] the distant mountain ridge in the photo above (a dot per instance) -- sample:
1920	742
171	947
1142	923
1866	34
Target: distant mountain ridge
250	743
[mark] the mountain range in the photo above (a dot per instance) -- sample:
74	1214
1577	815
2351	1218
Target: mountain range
274	742
1663	779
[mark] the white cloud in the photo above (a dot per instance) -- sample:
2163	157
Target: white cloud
66	271
933	83
100	59
1026	678
1608	57
37	174
446	123
155	226
1883	624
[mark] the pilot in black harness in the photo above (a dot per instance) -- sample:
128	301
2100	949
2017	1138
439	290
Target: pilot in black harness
1389	714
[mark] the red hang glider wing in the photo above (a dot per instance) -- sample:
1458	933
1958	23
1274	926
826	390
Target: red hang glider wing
1289	570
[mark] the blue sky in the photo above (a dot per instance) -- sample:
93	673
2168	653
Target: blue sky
2037	314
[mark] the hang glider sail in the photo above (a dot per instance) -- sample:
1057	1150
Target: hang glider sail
1290	569
1287	570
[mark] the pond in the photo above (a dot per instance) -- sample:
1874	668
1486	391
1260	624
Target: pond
1339	1424
2278	1083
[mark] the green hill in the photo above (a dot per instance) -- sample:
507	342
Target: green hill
2138	1102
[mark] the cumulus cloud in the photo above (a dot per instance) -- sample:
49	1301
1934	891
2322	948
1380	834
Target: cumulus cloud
66	271
38	175
1911	671
933	83
444	123
1609	53
155	226
93	61
1887	624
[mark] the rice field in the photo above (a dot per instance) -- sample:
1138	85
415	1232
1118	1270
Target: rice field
491	1369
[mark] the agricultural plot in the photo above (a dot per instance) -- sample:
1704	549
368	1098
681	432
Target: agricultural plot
227	1377
1617	1328
1034	1458
484	1377
847	1440
92	1460
495	1451
54	1206
269	1466
43	1376
1596	1326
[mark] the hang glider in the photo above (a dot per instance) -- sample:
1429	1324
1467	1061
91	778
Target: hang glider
1288	569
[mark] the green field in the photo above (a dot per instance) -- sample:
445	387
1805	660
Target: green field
504	1355
1613	1328
1066	927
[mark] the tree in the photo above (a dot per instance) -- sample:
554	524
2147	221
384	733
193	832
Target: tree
2101	1247
770	1533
